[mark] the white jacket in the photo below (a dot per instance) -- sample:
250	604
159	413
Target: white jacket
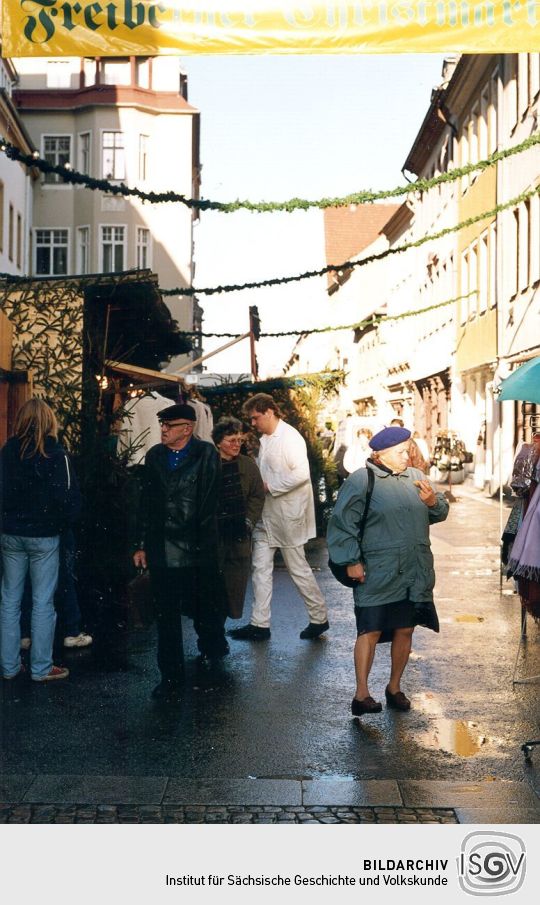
289	510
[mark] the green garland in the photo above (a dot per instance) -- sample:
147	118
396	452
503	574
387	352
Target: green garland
68	174
351	265
358	325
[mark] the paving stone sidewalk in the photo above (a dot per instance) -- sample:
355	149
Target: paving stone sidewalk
212	815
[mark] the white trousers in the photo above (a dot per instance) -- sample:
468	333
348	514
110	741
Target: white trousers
262	568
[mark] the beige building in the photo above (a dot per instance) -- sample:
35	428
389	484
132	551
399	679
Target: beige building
124	120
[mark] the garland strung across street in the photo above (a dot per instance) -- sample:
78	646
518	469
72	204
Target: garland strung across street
68	174
359	325
351	265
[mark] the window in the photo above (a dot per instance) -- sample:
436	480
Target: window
83	249
58	74
143	72
473	137
483	124
534	75
112	248
473	279
51	252
492	112
534	224
143	248
483	283
19	241
522	83
523	245
84	153
113	156
143	157
1	216
464	287
89	71
492	265
57	152
115	72
11	225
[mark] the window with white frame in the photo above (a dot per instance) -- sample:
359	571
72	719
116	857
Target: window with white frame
143	157
492	264
483	272
534	237
1	216
89	71
143	72
143	248
83	249
522	83
57	152
523	245
534	75
112	245
492	112
51	252
473	279
483	124
84	153
58	74
113	156
473	138
116	72
464	310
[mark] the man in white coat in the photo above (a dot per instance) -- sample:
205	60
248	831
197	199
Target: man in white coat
287	522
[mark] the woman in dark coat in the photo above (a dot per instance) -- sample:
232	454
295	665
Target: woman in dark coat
40	499
239	509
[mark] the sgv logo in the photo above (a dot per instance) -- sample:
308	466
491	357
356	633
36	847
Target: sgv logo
491	864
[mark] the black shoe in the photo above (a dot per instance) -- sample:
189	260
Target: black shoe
167	691
366	705
397	701
313	630
250	633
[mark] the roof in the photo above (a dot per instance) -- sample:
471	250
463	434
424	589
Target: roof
348	230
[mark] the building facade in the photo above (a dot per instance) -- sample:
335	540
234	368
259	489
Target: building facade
125	120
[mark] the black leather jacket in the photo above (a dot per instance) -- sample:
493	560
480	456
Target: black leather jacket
177	523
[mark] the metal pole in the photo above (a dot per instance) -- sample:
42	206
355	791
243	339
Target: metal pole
197	361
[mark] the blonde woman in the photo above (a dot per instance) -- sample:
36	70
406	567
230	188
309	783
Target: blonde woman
40	498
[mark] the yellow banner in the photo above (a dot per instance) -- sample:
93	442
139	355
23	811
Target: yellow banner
138	27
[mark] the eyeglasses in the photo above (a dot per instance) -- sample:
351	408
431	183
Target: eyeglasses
236	440
165	425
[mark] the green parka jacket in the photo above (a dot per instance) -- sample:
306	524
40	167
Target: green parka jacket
396	551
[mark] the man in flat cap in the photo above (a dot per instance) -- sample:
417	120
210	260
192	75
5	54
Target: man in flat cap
177	542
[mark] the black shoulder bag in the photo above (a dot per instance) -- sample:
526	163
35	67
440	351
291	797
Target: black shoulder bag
340	571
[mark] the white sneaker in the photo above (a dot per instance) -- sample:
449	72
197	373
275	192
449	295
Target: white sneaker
80	640
26	643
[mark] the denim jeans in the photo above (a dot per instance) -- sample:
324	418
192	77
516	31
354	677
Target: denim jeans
40	556
65	599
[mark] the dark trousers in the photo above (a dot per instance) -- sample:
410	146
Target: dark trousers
196	593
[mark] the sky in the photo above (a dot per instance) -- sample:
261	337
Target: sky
277	127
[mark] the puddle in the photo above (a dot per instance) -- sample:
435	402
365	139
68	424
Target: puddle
454	736
461	737
463	617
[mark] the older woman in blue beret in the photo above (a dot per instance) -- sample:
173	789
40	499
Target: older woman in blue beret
392	565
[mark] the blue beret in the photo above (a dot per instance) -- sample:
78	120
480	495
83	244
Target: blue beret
389	436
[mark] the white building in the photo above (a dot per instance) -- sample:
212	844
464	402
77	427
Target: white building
126	120
15	181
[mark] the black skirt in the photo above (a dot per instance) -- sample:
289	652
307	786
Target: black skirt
390	616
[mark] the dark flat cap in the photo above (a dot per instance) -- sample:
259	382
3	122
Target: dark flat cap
172	412
389	436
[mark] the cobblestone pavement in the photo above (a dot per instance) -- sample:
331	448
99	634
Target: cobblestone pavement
27	813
